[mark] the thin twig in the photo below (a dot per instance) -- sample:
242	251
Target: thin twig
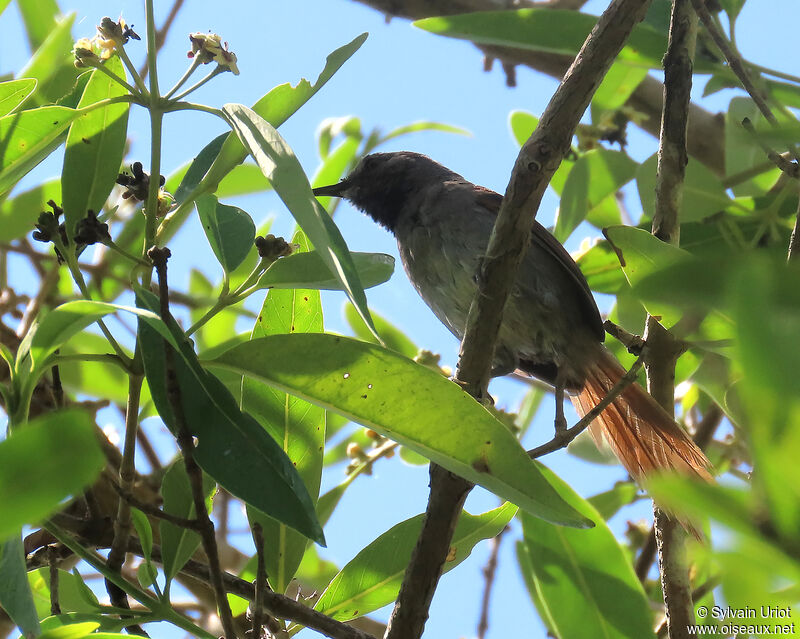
563	438
538	159
633	343
280	606
794	241
733	58
646	556
159	256
149	451
261	581
489	572
154	511
789	167
127	474
55	607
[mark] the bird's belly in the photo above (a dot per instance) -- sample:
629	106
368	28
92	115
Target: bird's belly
534	327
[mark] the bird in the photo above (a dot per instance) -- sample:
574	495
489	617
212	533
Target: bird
551	328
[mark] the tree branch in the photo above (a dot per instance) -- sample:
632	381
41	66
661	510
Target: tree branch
706	141
537	161
159	257
447	496
663	348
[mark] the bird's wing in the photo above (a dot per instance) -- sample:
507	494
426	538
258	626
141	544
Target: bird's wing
544	240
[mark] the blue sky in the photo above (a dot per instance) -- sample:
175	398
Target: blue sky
400	75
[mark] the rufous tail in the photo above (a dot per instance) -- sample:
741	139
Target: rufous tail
639	431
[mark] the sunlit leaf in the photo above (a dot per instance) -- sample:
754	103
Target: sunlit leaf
229	229
231	446
309	270
279	164
372	578
63	449
27	138
584	578
368	384
95	144
296	426
13	93
15	593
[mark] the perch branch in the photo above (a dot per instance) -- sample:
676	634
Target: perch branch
537	161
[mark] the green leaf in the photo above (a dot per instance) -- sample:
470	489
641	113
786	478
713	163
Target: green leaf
276	107
609	502
584	577
392	336
178	544
19	214
596	175
52	64
524	561
664	287
642	254
309	270
198	168
27	138
600	266
39	18
231	446
279	164
63	449
619	83
143	531
94	378
732	8
229	230
584	447
73	594
95	145
522	124
16	598
349	126
765	304
369	385
703	193
423	125
297	426
72	317
547	30
372	578
15	92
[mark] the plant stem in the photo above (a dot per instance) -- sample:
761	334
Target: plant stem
127	474
137	79
192	106
101	67
199	83
192	67
163	610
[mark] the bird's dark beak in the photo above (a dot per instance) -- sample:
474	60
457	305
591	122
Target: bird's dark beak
334	190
